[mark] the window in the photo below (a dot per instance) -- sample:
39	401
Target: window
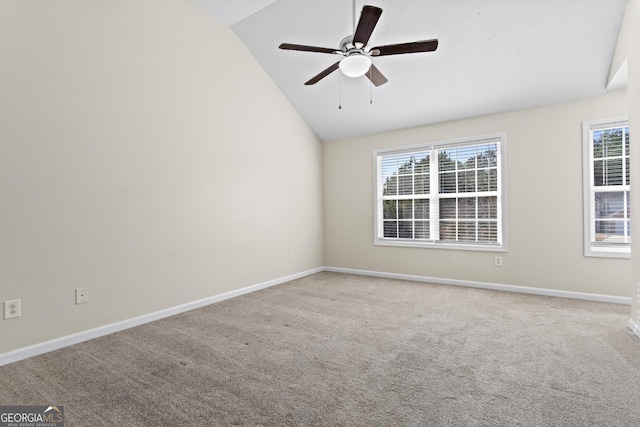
607	224
446	195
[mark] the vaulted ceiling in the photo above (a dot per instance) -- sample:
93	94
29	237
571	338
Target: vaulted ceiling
493	56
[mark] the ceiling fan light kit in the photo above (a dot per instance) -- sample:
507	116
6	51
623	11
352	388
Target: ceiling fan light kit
357	53
355	65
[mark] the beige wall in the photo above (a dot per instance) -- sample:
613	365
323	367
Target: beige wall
634	129
544	190
145	154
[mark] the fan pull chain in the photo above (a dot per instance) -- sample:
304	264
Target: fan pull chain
339	93
370	88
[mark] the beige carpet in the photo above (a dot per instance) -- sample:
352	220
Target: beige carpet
342	350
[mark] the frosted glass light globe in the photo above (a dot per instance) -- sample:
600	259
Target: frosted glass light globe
355	65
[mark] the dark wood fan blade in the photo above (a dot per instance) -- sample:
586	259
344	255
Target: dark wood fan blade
323	74
376	77
400	48
368	20
289	46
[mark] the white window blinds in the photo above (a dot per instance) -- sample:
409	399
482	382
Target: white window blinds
607	189
441	194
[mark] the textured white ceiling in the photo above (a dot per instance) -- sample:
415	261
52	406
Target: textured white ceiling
493	56
232	11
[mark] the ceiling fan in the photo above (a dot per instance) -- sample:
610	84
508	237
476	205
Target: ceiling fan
357	53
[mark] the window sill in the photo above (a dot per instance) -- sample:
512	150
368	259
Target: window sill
623	253
429	245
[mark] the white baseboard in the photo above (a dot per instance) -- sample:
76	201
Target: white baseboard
635	328
485	285
58	343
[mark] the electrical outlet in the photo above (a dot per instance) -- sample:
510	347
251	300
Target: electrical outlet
11	309
498	261
290	255
82	295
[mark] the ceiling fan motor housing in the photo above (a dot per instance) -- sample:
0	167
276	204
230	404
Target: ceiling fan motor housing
347	46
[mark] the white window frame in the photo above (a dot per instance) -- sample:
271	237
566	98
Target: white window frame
500	246
591	249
